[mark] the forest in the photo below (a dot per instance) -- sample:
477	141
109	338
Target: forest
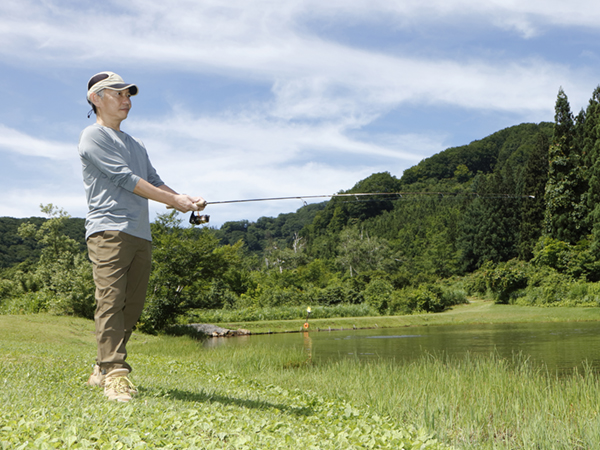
514	217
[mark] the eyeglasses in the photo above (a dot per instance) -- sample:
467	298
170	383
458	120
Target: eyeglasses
197	219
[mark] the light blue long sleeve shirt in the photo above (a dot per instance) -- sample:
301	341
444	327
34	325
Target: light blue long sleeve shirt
112	163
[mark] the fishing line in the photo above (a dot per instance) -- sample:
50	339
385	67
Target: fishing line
197	219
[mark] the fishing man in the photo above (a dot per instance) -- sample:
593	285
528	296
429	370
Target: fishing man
119	179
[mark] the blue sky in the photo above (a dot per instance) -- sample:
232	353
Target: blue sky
264	98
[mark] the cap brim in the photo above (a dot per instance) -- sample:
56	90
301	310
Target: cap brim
133	90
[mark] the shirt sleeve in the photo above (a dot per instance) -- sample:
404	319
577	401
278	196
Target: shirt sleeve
152	176
101	150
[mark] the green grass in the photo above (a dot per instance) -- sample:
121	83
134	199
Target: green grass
189	398
472	403
192	397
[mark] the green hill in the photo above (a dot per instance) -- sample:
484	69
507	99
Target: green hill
513	145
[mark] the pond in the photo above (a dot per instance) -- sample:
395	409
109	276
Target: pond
561	346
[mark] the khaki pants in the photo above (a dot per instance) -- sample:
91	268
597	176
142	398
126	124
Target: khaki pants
122	266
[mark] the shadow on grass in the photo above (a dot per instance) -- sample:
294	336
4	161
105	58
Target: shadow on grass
205	397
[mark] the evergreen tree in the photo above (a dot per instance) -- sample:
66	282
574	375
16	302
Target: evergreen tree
565	217
591	148
489	231
535	177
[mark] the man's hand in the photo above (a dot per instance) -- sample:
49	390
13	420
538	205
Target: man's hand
200	203
184	203
164	194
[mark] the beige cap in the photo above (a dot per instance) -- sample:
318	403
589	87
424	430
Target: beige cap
109	80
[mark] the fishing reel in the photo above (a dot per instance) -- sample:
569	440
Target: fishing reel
198	219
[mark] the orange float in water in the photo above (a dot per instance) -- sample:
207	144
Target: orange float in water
306	325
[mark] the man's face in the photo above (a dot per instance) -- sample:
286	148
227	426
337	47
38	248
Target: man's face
115	104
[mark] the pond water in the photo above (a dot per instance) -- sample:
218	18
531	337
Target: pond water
560	346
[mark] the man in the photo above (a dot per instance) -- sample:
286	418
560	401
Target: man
119	179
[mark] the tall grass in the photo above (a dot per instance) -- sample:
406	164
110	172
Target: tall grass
473	402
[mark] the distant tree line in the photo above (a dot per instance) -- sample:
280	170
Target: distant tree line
16	249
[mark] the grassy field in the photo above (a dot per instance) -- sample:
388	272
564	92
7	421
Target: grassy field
192	397
189	398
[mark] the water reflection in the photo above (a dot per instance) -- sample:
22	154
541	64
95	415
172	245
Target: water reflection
307	342
560	346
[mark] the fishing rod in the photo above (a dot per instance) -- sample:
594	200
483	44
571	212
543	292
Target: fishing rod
197	219
363	194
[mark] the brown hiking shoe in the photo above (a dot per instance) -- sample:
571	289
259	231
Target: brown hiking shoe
97	377
117	386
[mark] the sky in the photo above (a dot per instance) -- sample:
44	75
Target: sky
244	99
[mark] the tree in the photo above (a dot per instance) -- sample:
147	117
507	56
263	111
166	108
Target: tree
186	263
358	252
63	274
535	177
483	156
343	211
566	211
489	230
591	148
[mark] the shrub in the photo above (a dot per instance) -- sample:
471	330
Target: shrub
334	294
219	296
400	303
8	288
574	260
451	297
425	298
552	253
61	282
546	287
279	296
378	294
581	293
507	280
504	282
477	282
27	303
70	287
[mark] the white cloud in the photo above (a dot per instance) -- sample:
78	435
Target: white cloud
311	77
527	18
17	142
276	141
246	33
26	202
